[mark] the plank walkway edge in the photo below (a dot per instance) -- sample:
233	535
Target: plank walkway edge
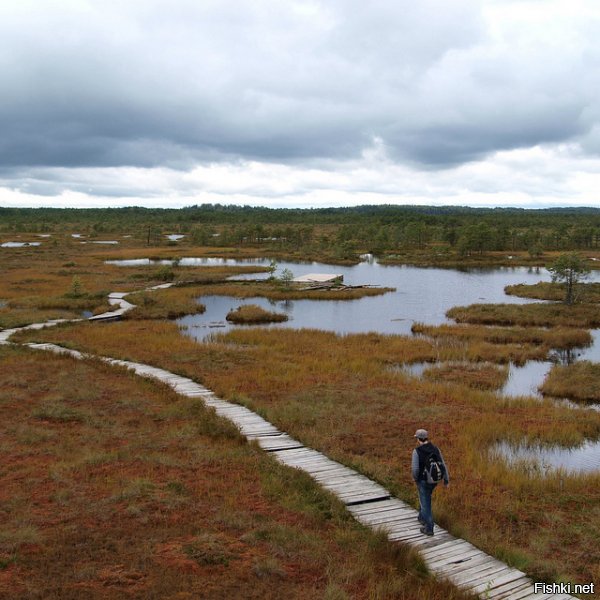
447	557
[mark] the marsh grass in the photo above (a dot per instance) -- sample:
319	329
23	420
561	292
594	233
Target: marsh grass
337	394
209	549
12	539
482	376
528	315
57	411
118	506
18	317
585	292
274	291
251	314
578	381
164	304
559	337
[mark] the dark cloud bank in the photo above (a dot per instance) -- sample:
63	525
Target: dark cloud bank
104	84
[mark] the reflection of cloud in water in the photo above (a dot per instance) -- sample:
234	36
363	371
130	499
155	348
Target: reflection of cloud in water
19	244
584	458
526	379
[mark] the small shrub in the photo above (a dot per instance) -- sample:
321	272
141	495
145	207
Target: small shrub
77	289
268	567
207	549
165	273
59	412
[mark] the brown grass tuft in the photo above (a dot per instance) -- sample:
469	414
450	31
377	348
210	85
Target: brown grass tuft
253	314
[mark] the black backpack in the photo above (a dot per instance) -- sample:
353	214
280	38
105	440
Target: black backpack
434	468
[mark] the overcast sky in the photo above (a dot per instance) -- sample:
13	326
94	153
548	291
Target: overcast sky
307	103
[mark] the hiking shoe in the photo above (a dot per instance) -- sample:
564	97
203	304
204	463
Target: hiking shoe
425	531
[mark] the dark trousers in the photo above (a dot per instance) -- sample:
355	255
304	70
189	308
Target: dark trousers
425	514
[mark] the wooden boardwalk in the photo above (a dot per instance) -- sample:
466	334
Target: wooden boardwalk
454	559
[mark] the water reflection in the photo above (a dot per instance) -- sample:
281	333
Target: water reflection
184	262
542	459
19	244
524	380
591	352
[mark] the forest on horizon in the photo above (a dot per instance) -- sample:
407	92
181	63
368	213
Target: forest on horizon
379	229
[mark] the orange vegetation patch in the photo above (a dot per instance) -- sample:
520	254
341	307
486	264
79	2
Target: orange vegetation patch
115	487
338	394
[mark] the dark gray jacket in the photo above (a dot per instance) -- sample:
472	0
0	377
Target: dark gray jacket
419	456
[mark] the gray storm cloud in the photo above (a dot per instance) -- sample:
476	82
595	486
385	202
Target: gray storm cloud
101	84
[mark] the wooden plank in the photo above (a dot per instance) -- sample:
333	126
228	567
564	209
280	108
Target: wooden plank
519	593
447	561
427	542
450	547
496	582
349	486
464	568
337	478
518	589
315	461
278	442
359	487
350	481
324	469
478	575
378	509
306	456
393	518
384	504
394	513
405	537
352	498
485	579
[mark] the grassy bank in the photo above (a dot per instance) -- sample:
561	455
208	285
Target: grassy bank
528	315
338	394
275	291
557	338
578	381
585	292
114	487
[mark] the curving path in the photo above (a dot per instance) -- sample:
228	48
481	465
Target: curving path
446	556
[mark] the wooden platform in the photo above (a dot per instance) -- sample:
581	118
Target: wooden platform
454	559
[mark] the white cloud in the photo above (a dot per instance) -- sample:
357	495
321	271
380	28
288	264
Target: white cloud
487	102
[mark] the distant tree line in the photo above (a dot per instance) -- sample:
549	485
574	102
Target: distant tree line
343	231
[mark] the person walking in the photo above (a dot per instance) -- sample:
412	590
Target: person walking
428	469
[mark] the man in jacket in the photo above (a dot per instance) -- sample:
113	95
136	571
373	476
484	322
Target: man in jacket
420	459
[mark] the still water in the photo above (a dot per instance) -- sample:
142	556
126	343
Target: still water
421	295
19	244
541	460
